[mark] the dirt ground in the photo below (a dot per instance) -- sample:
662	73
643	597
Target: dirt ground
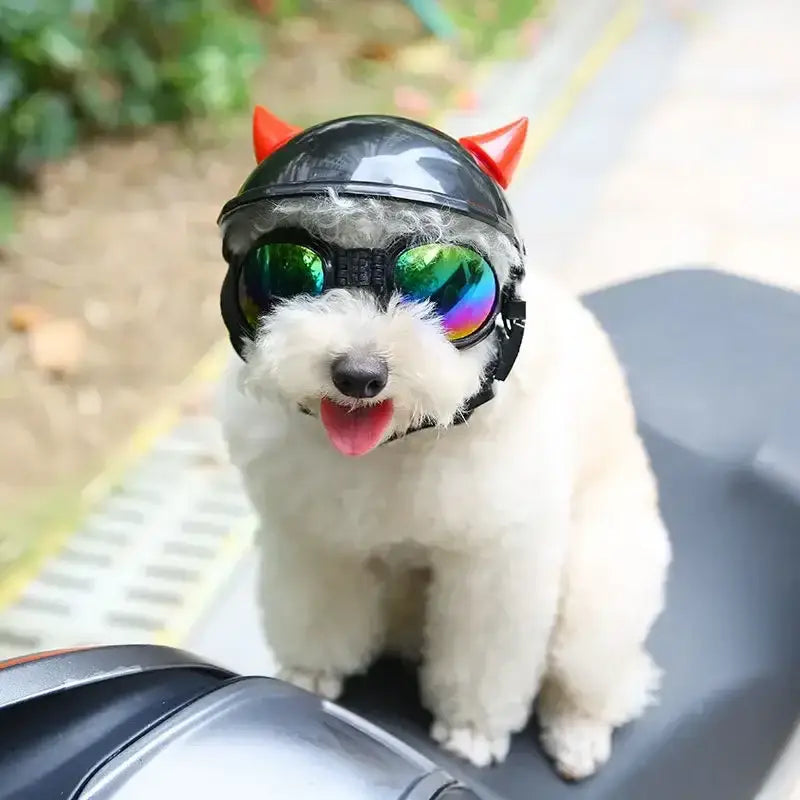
120	255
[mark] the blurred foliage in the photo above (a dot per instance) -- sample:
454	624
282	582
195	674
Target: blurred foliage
6	212
75	68
275	9
287	8
488	25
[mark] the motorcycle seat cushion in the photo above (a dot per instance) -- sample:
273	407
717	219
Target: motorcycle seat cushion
714	367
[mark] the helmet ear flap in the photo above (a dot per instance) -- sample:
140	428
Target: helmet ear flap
498	152
270	132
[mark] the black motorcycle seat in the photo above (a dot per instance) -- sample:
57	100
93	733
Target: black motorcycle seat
714	367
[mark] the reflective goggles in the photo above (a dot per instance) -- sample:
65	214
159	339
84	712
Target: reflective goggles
454	278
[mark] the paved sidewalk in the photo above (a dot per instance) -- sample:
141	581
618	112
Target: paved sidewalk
711	173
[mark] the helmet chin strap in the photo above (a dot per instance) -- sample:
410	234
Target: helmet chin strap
509	333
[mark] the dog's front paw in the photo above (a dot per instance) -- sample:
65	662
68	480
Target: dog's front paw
323	684
577	744
472	745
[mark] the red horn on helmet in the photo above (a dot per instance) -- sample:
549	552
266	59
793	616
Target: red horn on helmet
269	132
498	152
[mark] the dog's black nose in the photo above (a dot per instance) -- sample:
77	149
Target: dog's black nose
359	374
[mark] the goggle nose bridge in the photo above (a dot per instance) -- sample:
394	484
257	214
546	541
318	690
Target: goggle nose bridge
361	268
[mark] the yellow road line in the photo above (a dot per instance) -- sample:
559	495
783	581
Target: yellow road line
547	124
16	579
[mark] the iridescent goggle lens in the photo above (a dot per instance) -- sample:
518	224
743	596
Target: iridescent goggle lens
457	280
277	270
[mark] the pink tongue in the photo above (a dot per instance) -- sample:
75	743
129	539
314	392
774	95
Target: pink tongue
355	432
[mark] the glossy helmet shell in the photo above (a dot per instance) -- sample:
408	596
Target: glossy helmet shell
387	157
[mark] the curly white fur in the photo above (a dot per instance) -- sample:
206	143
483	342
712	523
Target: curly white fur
520	552
365	222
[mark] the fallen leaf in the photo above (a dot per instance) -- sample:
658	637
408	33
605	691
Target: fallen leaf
26	316
263	6
58	346
209	461
377	51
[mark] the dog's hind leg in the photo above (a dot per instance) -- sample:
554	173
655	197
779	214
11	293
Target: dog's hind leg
599	674
322	612
489	618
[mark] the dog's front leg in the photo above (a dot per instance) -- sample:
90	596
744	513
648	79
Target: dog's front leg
489	616
321	612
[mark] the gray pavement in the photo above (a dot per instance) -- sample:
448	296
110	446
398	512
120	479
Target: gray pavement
230	633
710	173
557	199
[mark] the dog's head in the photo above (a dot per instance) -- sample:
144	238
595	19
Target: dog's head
369	364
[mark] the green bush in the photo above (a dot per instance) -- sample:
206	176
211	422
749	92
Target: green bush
70	69
488	25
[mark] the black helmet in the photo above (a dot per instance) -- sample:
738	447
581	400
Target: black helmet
374	155
384	156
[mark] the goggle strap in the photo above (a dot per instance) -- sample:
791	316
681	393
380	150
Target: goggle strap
360	268
512	314
229	307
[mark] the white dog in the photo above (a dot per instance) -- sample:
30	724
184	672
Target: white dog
521	553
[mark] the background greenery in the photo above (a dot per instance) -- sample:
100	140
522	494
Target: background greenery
491	27
74	68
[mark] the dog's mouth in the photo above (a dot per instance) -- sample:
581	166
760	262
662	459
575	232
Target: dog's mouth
355	431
